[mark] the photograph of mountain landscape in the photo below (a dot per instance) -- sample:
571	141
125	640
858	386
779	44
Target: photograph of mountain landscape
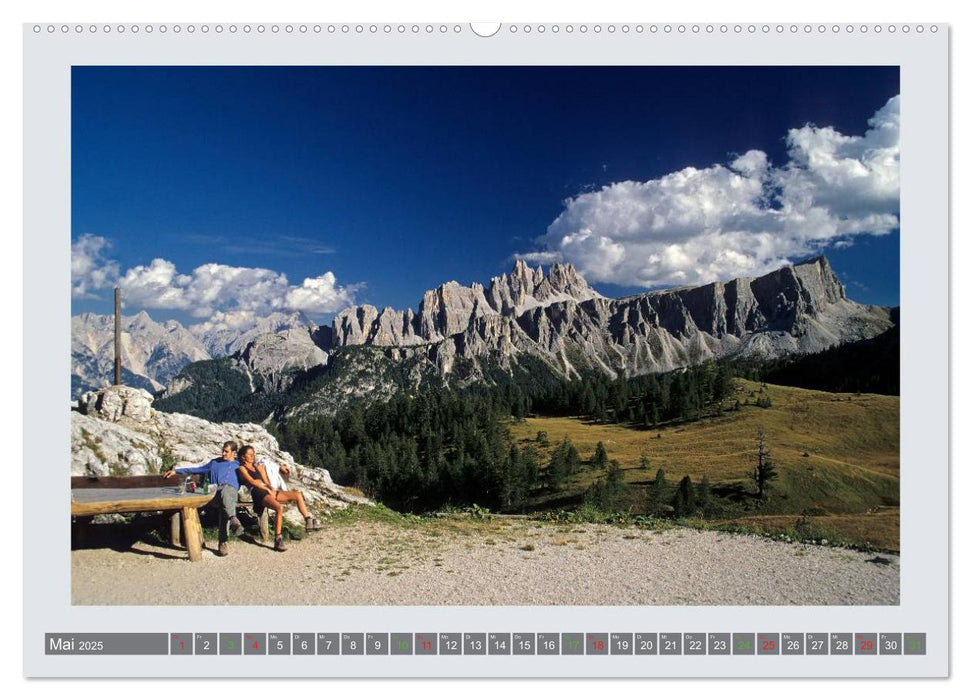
521	335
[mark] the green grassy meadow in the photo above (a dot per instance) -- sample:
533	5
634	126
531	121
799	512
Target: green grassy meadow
837	457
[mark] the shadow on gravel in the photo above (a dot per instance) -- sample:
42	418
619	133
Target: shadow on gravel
250	539
179	554
120	535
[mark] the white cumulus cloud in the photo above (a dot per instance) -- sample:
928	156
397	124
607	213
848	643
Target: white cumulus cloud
90	269
317	295
231	295
744	218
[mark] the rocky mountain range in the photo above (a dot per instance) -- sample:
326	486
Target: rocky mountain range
561	320
464	334
152	353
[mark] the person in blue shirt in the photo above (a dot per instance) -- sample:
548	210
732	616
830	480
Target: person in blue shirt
222	473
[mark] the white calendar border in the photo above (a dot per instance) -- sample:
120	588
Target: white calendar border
921	286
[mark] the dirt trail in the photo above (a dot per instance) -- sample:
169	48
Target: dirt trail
509	563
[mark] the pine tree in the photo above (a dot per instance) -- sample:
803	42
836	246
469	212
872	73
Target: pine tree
599	459
658	494
573	461
514	478
684	499
608	493
530	459
600	414
518	403
615	490
724	384
588	400
704	494
558	468
765	470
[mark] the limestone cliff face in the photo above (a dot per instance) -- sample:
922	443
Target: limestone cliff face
452	308
276	356
560	319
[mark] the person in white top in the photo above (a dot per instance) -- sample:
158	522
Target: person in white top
271	492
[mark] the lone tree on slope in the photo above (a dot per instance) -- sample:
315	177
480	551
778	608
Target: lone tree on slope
658	494
765	470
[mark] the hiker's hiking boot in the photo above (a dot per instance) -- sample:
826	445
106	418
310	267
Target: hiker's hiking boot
236	526
223	549
311	524
279	546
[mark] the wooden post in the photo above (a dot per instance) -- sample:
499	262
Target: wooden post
117	336
265	525
175	529
193	533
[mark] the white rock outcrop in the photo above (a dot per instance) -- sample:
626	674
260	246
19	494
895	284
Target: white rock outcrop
115	432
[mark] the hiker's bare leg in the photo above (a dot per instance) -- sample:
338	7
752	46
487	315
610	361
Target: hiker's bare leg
294	497
270	502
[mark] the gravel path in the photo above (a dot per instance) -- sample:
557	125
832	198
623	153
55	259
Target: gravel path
509	563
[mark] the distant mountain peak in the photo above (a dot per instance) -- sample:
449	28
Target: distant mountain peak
449	308
151	353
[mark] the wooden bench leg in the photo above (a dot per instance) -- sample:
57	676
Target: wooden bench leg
193	533
265	525
175	529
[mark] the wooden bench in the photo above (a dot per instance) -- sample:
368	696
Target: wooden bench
153	493
141	494
245	501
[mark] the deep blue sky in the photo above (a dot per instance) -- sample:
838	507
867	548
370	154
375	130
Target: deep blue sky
413	176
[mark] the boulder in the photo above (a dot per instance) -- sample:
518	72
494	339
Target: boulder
116	402
115	432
